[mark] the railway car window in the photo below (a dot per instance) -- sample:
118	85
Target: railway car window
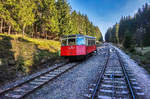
86	41
80	41
64	42
92	42
89	42
72	41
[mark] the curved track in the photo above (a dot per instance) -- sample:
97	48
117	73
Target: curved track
19	91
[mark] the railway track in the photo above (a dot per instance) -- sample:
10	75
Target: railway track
23	89
115	81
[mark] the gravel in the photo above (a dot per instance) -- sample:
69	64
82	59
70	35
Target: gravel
141	75
74	83
26	78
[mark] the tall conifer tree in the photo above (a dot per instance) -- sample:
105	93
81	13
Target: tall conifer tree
25	14
64	17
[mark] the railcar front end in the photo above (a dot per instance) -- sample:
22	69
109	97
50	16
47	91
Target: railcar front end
77	46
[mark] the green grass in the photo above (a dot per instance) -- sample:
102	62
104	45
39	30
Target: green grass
52	46
142	57
26	53
144	54
143	60
145	50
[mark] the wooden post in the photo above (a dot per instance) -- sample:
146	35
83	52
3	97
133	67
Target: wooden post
9	30
23	30
1	29
46	34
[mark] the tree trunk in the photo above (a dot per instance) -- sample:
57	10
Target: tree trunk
141	45
1	30
46	34
23	30
32	34
9	30
35	31
39	35
4	27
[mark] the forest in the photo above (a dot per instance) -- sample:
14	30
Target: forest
133	31
47	19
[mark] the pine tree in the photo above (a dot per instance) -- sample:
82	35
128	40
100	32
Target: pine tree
50	18
44	18
64	18
8	15
2	16
117	32
98	34
74	19
128	27
25	14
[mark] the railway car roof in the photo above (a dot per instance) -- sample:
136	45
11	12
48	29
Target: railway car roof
78	35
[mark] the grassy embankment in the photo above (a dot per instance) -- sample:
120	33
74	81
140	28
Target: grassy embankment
142	57
23	55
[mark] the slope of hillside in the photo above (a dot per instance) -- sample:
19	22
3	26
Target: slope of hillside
23	55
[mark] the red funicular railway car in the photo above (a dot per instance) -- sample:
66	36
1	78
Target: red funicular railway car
77	46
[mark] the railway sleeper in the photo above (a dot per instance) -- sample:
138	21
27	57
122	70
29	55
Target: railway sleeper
114	82
18	93
55	73
41	80
10	96
114	68
111	93
36	82
48	76
116	79
116	86
104	97
114	75
113	71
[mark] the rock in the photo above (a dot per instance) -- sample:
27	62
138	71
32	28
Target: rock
11	62
49	58
148	65
43	60
1	62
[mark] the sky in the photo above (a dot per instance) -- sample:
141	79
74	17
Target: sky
105	13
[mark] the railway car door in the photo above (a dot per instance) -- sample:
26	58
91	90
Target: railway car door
87	45
64	42
70	48
71	41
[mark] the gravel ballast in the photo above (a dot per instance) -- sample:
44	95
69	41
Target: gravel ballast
74	83
142	76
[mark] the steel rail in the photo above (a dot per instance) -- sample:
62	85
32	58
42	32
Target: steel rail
26	82
49	80
9	89
127	78
100	78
